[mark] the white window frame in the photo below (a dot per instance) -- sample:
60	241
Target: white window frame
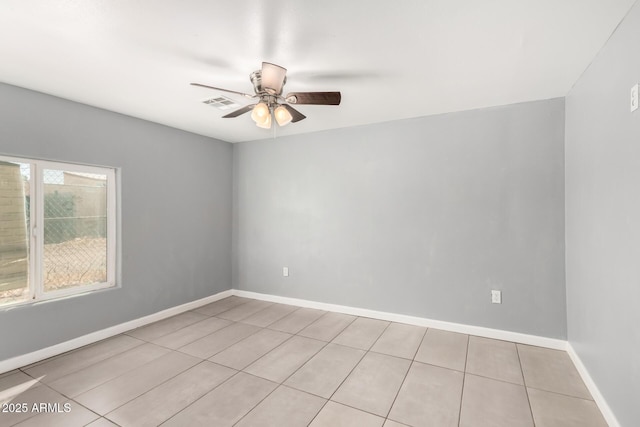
36	220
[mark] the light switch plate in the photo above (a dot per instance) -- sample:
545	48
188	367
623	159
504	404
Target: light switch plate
634	98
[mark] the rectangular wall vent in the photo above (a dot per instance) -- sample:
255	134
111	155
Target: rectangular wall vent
221	103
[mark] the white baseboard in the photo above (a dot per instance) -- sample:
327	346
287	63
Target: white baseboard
607	413
45	353
499	334
557	344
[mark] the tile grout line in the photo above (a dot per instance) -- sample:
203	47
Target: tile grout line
268	324
179	373
217	330
406	373
524	383
66	353
561	394
337	388
464	376
202	397
278	385
415	353
317	320
267	353
225	348
245	339
129	370
286	315
148	391
205	336
374	341
191	342
245	317
24	369
350	372
488	378
102	417
165	320
379	336
305	363
197	310
142	342
502	380
363	356
88	409
317	413
301	329
225	309
281	384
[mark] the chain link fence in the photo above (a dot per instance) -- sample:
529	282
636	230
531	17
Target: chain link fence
75	226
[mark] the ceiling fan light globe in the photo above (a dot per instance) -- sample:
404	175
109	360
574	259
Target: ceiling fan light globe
273	78
265	124
283	116
263	120
260	113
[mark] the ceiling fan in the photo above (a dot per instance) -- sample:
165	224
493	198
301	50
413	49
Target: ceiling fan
267	85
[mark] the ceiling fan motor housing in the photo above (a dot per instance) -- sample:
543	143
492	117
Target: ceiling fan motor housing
270	100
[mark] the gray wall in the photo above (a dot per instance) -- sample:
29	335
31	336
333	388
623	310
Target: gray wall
176	213
603	221
421	217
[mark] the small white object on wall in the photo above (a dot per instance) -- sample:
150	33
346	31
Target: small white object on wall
634	97
496	297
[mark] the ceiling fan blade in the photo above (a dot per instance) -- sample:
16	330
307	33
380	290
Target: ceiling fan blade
223	90
273	77
295	114
239	111
316	98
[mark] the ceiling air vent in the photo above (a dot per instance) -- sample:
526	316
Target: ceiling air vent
221	103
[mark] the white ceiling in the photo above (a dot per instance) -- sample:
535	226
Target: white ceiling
390	60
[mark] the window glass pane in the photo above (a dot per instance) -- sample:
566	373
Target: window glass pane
75	226
14	232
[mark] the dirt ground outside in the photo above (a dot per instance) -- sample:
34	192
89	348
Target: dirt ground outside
75	262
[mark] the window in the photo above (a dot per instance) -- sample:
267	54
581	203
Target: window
57	229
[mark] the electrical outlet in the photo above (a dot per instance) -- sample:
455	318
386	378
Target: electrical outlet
634	98
285	271
496	297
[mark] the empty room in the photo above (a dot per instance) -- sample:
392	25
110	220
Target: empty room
328	214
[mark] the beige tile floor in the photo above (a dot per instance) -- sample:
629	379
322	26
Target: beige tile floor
242	362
